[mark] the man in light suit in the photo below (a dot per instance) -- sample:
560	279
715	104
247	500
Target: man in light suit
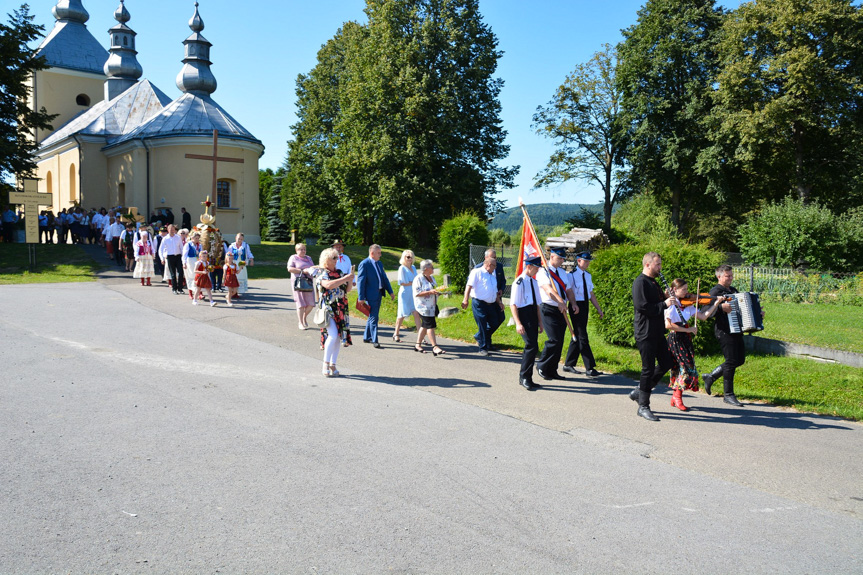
372	283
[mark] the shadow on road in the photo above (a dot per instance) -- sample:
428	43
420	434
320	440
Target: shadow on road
442	382
742	416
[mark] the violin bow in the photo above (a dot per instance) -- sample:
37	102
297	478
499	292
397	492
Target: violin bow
697	291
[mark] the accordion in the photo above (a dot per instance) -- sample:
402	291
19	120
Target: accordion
745	315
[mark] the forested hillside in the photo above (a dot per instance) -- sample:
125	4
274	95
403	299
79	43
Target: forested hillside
542	215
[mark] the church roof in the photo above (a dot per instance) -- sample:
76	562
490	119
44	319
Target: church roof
70	45
190	115
116	117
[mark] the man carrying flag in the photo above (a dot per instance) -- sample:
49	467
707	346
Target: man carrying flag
554	292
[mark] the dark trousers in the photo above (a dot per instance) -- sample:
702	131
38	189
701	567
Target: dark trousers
118	252
554	325
487	318
216	278
582	346
656	360
734	353
175	269
528	319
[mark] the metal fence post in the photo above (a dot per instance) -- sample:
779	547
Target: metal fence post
751	277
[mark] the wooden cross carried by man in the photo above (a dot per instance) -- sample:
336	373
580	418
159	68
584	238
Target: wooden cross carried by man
31	199
215	159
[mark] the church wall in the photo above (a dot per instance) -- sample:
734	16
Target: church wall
127	179
62	173
185	182
94	176
57	89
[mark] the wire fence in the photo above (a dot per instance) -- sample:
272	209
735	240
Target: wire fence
506	257
810	286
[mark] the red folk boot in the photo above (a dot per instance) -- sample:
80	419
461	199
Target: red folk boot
677	400
148	282
142	281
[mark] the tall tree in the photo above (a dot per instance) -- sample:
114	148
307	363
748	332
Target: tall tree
667	66
789	98
584	120
414	132
17	121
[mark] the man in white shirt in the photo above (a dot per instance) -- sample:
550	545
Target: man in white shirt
482	287
116	229
582	287
524	304
171	254
555	293
344	262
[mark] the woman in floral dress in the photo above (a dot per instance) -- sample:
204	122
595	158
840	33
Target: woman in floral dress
333	288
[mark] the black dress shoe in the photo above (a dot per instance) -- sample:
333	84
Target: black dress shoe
731	399
376	345
635	394
366	340
569	369
527	384
645	412
542	375
592	372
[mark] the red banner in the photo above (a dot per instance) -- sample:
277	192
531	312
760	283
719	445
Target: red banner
529	247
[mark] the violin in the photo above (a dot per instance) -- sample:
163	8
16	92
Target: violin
702	299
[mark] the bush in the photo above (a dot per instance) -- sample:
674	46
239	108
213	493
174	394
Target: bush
615	268
642	219
791	233
456	236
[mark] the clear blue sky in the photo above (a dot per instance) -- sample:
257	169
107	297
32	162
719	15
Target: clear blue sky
260	46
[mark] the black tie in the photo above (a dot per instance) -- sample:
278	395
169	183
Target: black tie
532	290
584	283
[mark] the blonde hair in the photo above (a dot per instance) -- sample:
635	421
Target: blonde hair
297	247
404	255
327	254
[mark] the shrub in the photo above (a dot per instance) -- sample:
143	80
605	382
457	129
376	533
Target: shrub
456	236
790	233
615	268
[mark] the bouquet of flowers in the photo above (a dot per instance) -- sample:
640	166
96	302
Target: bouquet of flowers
241	264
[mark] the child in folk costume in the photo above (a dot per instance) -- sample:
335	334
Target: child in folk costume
202	278
231	282
683	372
144	259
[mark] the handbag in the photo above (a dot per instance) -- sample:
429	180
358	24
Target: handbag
303	283
364	308
321	317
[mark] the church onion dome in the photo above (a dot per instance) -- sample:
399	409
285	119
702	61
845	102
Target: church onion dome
196	76
122	67
71	10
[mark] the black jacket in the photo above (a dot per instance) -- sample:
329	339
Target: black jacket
649	303
721	325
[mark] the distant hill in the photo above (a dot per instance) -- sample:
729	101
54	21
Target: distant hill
542	215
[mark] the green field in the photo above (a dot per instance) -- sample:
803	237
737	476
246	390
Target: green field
55	263
822	325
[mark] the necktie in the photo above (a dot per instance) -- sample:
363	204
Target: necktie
532	291
378	272
584	284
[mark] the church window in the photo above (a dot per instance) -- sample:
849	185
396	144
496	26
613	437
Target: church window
223	194
121	194
125	40
49	182
82	100
73	184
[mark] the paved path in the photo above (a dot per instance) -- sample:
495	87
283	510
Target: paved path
156	436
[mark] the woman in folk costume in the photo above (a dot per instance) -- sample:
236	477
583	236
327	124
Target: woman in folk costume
684	375
231	282
202	278
144	259
191	250
242	257
334	288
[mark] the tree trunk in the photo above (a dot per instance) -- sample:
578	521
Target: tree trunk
804	191
368	227
606	208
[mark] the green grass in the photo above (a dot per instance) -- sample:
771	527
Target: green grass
822	325
805	385
271	258
55	263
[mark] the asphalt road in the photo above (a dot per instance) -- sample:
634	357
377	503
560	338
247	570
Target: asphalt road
141	434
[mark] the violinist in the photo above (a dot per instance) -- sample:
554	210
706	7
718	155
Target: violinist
683	372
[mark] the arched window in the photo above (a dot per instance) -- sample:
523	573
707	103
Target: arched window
73	184
82	100
223	193
49	183
125	40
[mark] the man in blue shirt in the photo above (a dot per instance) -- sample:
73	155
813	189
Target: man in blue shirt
9	221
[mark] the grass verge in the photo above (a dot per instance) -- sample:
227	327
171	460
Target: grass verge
822	325
55	264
